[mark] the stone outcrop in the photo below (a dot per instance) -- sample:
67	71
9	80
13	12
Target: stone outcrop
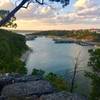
16	78
62	96
28	87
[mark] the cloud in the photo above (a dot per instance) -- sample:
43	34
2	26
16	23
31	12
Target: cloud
39	25
6	4
83	4
90	12
85	12
35	11
80	4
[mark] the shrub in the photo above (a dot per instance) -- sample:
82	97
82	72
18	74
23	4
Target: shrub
58	82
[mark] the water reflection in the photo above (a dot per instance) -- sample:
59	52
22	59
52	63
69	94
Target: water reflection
53	57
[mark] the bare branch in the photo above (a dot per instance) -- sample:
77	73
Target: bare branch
75	72
41	3
26	5
21	5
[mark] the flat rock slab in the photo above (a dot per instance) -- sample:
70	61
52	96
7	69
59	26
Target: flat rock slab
16	78
28	88
62	96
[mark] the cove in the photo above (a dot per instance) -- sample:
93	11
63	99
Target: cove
59	58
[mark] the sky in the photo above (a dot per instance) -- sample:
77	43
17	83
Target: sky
79	14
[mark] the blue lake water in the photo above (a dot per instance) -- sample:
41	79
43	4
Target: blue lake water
60	59
53	57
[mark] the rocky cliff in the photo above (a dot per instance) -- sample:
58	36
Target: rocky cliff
28	87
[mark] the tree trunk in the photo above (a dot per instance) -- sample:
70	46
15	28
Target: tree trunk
12	13
73	79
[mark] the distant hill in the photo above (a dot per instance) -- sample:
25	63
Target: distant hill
95	30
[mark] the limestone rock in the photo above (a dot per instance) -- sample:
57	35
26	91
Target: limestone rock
62	96
16	78
28	88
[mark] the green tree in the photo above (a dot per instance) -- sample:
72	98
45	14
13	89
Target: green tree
57	81
38	72
11	22
94	75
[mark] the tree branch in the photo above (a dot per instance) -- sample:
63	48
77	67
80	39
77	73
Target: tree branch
12	13
41	3
26	5
21	5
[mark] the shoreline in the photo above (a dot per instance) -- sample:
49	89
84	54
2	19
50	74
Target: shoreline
58	39
25	55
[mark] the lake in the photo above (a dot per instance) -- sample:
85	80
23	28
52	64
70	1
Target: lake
58	58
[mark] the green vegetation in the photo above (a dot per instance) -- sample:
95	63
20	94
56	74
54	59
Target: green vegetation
11	23
57	81
75	34
94	63
12	46
38	72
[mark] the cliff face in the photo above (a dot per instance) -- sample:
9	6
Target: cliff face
28	87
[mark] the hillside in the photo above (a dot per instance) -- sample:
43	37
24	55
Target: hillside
74	34
12	46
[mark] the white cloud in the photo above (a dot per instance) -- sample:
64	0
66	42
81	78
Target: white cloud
6	4
80	4
35	11
90	12
83	4
86	12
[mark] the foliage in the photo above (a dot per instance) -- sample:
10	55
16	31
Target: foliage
38	72
94	63
11	48
11	22
58	82
75	34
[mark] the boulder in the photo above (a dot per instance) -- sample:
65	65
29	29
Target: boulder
16	78
23	98
27	78
27	89
5	80
62	96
